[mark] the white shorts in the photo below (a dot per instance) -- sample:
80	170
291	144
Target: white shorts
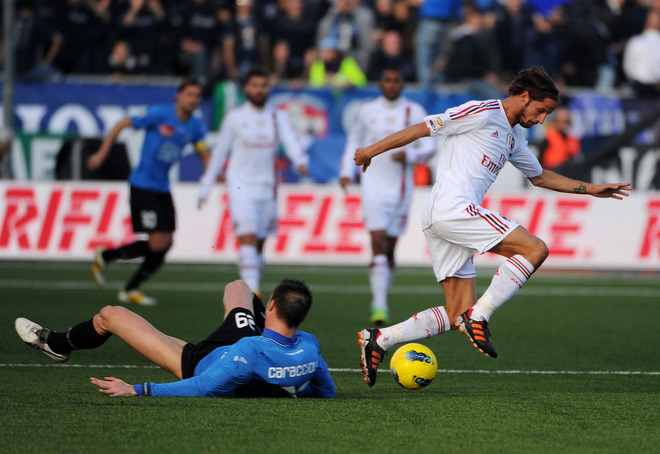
453	240
252	216
383	216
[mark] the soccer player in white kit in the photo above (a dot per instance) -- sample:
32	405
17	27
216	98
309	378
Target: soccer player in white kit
387	188
252	133
481	136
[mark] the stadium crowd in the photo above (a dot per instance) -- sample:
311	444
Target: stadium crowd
479	42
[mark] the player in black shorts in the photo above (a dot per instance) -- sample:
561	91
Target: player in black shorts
256	351
169	128
240	322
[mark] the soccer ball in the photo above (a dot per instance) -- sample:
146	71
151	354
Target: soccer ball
413	366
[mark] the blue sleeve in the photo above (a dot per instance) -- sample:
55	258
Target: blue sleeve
222	378
321	384
201	133
152	117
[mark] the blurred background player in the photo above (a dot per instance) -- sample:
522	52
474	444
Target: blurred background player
251	135
237	359
481	136
387	188
169	128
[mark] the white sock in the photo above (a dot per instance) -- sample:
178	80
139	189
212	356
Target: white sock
431	322
249	266
379	279
508	279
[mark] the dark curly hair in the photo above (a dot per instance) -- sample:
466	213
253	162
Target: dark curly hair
536	82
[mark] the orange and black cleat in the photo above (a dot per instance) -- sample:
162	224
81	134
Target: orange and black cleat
372	354
477	331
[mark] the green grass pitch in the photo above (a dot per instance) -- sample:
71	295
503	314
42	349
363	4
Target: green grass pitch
579	369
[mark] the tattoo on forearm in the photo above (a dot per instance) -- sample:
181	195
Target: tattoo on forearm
582	189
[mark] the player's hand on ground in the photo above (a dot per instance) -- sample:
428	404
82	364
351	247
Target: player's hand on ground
362	158
612	190
113	387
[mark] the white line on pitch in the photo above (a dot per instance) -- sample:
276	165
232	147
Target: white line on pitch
331	288
441	371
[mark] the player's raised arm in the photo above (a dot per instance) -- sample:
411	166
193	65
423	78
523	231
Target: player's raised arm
552	180
363	155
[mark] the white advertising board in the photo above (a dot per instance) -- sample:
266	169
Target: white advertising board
320	224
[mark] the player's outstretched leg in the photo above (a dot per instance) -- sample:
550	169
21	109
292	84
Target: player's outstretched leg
478	333
99	266
372	354
36	336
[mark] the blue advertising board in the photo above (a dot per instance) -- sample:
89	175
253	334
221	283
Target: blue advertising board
320	116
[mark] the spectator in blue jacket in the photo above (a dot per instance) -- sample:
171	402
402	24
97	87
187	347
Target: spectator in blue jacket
436	18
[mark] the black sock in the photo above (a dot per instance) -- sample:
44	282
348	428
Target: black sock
152	261
127	252
82	336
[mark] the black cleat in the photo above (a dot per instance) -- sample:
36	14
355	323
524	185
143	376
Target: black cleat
477	331
372	354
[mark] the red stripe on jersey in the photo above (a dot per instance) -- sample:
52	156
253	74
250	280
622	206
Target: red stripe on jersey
475	112
472	210
467	109
472	109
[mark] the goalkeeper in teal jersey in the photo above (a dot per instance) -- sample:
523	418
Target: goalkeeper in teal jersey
257	350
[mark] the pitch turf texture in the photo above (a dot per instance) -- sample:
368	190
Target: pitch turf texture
579	370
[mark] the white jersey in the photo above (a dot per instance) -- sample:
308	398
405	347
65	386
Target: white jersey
387	180
252	135
479	143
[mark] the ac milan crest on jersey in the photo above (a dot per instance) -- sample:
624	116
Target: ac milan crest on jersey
510	141
495	135
166	130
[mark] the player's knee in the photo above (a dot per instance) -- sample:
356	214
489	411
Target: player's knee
161	243
541	252
237	293
234	286
108	316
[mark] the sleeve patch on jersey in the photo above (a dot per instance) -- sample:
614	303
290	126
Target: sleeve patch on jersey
166	130
510	141
437	123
